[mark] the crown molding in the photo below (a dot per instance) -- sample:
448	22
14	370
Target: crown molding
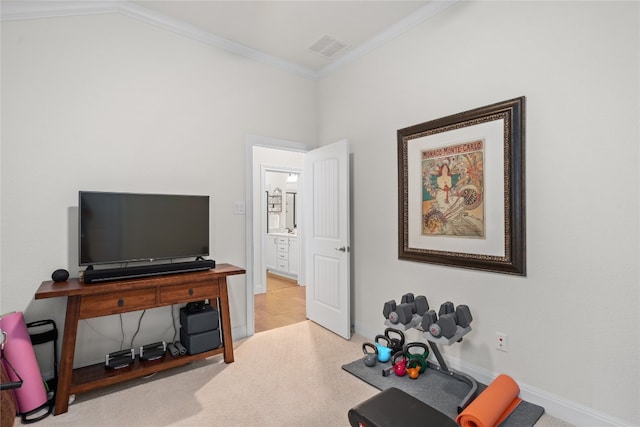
23	10
424	13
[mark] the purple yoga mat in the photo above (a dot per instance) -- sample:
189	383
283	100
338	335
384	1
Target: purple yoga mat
18	350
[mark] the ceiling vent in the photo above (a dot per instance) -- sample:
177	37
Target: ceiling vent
327	46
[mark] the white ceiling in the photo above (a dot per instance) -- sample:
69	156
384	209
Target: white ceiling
275	32
285	29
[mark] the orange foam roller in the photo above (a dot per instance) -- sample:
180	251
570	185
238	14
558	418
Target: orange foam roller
493	405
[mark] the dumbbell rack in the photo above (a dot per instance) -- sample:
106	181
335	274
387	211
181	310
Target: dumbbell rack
441	366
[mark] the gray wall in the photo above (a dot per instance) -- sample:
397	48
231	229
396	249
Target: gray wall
572	323
109	103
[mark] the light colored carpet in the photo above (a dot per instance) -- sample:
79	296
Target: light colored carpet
290	376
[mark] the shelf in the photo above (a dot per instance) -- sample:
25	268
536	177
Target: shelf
97	376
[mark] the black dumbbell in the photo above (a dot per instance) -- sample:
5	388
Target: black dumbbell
403	314
445	326
463	316
389	307
446	308
421	305
407	298
428	318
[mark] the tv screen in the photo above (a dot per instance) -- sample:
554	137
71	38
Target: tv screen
126	227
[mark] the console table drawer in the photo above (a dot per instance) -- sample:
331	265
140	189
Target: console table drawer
182	293
119	302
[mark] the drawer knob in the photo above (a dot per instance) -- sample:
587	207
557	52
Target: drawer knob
190	291
120	302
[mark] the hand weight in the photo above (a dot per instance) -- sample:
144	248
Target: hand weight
370	358
403	314
408	298
388	308
422	354
445	326
446	308
421	305
384	351
414	367
428	319
396	343
399	362
463	316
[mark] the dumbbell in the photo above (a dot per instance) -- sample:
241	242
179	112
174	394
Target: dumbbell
428	318
445	326
446	308
463	316
408	298
403	314
389	307
421	305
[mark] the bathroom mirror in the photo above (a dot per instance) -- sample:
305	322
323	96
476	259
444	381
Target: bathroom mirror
291	217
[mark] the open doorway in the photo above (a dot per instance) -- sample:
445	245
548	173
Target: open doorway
282	302
268	154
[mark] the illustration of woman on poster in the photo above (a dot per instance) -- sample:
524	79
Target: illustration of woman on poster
453	188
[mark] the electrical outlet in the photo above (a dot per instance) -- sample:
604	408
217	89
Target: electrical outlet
501	341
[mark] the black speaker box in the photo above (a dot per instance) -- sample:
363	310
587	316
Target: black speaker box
194	322
201	342
107	274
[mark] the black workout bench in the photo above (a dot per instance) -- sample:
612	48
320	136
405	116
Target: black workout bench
392	408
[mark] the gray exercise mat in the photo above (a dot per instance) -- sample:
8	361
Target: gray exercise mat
438	390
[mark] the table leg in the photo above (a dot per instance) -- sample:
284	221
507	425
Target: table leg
68	351
225	319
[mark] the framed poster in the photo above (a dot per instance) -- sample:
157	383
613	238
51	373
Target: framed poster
461	189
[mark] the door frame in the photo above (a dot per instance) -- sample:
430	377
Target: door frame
252	141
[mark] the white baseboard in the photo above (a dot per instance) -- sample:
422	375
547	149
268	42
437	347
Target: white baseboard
553	405
239	332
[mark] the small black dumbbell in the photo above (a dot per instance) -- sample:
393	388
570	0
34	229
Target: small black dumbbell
428	319
445	326
408	298
421	305
446	308
403	314
463	316
389	307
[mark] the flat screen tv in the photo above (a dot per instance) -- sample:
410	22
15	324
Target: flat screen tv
126	227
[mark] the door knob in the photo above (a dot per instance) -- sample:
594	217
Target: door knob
342	249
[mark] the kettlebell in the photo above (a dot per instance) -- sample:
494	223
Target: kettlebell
414	367
422	354
397	341
399	366
384	351
369	358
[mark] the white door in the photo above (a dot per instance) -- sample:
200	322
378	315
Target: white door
326	231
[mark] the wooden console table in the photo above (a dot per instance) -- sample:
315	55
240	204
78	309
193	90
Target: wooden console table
85	301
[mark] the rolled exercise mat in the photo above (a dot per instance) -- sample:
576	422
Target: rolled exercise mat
493	405
18	350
